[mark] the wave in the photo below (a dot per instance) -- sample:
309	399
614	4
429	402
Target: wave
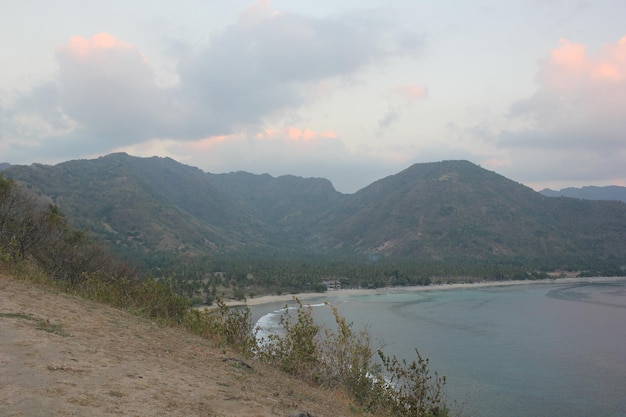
269	324
591	293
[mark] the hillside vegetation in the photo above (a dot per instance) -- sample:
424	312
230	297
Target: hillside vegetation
37	244
61	355
447	210
609	192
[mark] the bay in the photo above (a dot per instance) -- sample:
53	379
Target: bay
528	350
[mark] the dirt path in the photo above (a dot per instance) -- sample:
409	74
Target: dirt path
65	356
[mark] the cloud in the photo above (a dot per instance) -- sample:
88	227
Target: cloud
388	119
289	150
401	97
580	102
259	66
574	122
106	94
412	92
108	87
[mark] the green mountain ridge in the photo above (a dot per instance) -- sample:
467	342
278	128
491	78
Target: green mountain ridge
440	210
609	192
156	204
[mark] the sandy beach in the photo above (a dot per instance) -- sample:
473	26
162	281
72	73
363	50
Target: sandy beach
266	299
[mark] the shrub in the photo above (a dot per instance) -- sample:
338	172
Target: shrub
226	326
411	390
344	359
146	297
296	350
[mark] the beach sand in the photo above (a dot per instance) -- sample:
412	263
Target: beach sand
267	299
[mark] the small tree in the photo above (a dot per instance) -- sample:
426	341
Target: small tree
21	225
296	350
410	389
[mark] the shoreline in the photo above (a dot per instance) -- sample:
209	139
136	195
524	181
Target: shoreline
269	299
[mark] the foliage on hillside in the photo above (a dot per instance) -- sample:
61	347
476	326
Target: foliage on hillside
457	209
39	243
445	213
155	205
609	192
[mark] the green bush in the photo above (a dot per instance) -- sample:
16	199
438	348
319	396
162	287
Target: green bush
410	389
344	359
295	351
224	325
146	297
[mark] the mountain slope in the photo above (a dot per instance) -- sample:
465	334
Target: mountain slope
55	364
443	210
455	208
154	203
611	192
285	200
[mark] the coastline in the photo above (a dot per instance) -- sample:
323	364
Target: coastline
268	299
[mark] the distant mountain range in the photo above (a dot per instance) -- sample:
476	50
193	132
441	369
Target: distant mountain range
611	192
4	165
442	210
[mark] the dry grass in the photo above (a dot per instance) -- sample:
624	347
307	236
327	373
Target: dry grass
100	361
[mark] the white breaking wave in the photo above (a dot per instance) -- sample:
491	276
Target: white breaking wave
269	324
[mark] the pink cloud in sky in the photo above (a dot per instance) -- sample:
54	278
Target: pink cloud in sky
569	65
580	92
83	47
574	122
411	91
494	163
293	135
296	134
111	95
102	49
207	144
288	150
257	11
108	86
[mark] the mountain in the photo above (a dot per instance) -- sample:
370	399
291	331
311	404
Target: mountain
4	165
611	192
443	211
286	200
455	208
156	204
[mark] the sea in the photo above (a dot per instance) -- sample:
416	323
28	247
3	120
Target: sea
549	350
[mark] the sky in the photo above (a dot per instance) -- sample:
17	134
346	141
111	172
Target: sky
351	91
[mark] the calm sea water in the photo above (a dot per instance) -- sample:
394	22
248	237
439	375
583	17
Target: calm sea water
551	350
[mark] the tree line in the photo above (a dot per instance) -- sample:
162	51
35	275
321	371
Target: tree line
37	240
29	229
41	232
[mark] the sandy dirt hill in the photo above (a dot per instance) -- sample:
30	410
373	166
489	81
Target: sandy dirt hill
65	356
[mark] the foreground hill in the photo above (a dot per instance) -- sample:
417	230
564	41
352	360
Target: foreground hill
442	211
53	363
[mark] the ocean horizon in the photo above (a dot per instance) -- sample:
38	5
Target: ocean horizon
526	350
